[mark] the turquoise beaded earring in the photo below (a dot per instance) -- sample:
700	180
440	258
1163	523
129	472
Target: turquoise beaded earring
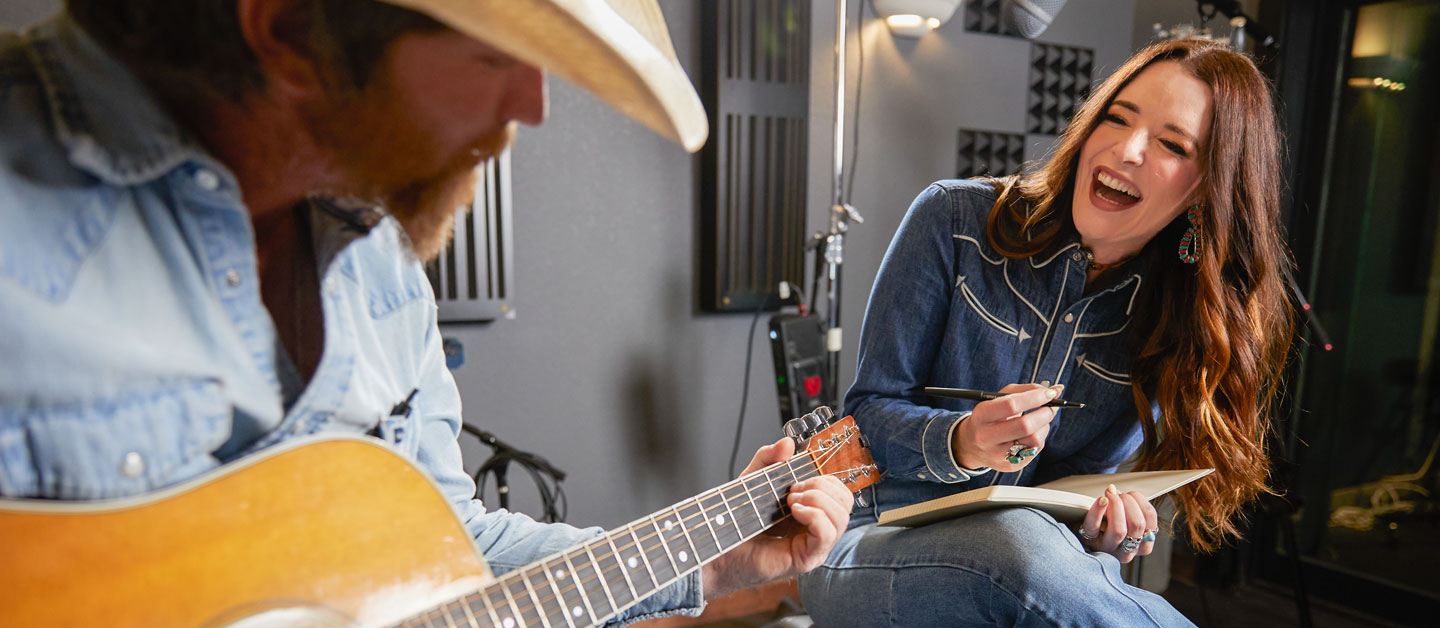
1190	242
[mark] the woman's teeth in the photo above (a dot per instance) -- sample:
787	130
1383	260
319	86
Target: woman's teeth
1117	185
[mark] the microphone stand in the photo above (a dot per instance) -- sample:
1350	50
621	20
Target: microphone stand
841	215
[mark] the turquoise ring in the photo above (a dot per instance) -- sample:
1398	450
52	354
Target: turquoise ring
1149	537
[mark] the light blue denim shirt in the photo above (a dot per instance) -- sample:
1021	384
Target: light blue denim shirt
948	310
135	350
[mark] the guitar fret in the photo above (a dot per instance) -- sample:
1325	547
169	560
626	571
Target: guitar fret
530	613
759	518
619	564
580	589
664	545
765	504
600	581
633	563
559	600
686	545
490	610
702	552
723	529
655	579
514	616
777	494
469	616
539	609
748	521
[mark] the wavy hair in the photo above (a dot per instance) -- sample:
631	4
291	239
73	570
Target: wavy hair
1209	362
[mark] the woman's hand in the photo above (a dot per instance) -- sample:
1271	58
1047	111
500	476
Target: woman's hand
1121	524
996	427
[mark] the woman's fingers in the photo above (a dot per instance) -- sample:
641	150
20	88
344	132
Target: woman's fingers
1135	527
1152	523
1089	531
1116	522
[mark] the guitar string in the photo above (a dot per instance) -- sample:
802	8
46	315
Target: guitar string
603	573
727	502
443	609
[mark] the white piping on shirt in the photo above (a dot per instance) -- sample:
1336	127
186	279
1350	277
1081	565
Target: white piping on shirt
1103	373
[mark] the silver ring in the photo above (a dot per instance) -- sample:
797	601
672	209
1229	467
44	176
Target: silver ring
1129	545
1088	537
1014	451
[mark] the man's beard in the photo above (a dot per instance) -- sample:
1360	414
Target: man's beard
384	159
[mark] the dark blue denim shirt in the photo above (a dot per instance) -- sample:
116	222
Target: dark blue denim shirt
948	310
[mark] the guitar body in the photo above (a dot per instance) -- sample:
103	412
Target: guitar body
336	532
344	532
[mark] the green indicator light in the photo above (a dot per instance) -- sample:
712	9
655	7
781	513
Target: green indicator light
780	379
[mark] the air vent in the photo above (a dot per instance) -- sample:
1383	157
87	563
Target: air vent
473	278
755	79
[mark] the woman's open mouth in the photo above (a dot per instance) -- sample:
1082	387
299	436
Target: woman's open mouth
1110	192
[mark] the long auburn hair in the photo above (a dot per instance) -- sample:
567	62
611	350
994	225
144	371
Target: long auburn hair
1215	334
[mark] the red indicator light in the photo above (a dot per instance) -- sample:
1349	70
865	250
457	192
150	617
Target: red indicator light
812	386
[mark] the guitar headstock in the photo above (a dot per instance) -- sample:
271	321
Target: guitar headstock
838	449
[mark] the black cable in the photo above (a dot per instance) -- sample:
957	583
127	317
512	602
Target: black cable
546	476
799	296
745	391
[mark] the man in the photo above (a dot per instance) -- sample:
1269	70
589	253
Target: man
193	267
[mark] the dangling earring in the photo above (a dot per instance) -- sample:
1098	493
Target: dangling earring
1190	242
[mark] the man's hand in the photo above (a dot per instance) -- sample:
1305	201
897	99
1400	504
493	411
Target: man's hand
821	507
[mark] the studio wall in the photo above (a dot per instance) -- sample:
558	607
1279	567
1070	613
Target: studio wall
608	368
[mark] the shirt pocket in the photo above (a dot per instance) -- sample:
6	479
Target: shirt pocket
142	439
1096	369
991	313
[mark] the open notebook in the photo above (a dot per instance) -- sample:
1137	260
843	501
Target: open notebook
1066	499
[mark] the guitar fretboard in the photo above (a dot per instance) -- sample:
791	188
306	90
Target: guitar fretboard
589	584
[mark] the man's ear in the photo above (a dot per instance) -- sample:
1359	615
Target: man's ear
278	32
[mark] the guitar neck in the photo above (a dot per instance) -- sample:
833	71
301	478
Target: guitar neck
589	584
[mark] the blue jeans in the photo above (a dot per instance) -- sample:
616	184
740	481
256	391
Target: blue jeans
1009	567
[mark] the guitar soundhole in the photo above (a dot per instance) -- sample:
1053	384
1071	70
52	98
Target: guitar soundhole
280	614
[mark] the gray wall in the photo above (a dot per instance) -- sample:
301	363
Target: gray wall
608	369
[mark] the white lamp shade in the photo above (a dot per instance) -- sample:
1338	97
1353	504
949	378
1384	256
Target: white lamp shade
914	18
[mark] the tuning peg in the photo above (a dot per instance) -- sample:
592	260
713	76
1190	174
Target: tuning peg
860	499
825	414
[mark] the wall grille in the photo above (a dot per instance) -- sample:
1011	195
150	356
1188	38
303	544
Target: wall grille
1059	82
983	16
755	81
989	153
473	278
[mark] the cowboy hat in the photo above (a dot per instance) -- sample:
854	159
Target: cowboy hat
618	50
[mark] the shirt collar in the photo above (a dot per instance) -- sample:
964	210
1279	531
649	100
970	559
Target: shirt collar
110	124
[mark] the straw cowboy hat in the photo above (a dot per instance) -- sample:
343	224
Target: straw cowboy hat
618	50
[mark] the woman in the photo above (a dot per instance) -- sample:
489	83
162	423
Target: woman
1139	270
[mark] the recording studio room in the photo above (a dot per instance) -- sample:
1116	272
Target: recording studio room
844	300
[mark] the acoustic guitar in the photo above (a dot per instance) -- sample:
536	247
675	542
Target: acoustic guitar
344	532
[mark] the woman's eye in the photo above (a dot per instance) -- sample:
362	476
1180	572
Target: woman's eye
1175	148
1110	117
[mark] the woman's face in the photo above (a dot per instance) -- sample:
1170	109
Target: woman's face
1140	165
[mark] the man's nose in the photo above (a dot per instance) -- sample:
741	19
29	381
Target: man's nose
525	98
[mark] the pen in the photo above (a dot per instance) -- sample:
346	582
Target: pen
980	395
